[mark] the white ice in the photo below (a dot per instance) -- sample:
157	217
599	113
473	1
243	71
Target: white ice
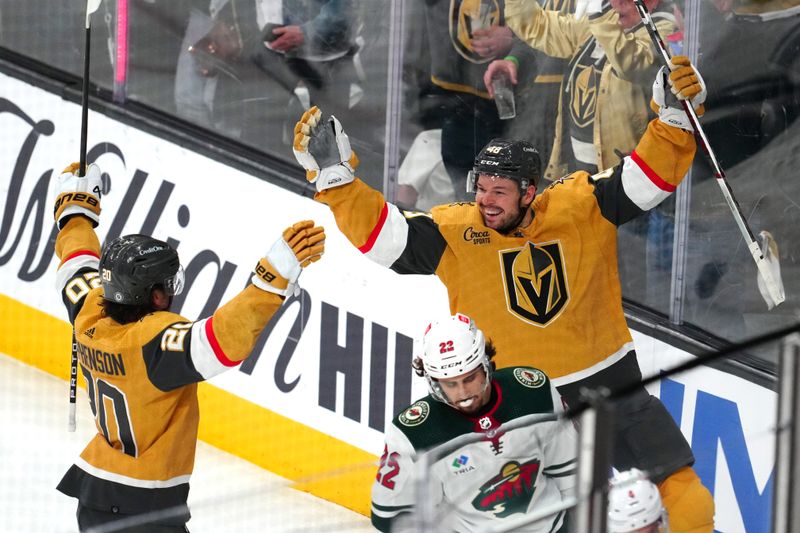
227	493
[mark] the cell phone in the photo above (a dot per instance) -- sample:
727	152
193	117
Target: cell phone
268	36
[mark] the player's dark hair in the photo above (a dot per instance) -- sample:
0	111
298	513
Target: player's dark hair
491	351
126	314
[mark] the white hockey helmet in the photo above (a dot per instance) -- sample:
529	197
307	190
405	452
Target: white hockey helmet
451	348
634	503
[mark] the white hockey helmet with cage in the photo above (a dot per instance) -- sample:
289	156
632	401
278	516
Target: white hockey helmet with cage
634	503
451	348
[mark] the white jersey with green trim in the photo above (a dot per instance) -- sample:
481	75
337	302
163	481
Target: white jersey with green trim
499	478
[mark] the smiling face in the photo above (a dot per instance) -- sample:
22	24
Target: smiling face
500	203
467	393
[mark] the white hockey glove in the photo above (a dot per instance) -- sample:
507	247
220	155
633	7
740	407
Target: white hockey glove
685	83
301	244
76	195
323	149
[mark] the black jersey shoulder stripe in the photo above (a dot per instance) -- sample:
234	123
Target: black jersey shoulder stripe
424	247
614	203
168	359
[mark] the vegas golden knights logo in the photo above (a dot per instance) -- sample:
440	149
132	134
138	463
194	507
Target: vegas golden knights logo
466	16
584	94
535	280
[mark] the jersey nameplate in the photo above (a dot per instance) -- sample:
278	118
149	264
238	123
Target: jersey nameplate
416	414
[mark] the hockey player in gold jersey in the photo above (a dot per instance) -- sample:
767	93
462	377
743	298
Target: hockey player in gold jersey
539	271
142	363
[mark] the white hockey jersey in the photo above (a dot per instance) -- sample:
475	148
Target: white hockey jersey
499	478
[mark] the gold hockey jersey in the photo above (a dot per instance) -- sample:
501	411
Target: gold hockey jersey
142	383
548	295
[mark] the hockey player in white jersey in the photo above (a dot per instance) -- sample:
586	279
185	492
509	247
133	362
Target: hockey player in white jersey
505	475
634	505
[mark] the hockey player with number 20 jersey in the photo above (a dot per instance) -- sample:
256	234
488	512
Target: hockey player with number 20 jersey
487	483
142	363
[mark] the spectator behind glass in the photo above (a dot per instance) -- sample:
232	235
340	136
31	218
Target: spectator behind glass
448	46
537	78
603	109
243	66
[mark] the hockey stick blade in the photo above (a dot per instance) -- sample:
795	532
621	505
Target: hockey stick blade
769	284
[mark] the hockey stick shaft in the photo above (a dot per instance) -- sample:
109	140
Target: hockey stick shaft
73	384
85	102
773	286
91	7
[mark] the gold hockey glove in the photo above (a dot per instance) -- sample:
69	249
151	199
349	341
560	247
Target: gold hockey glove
78	195
685	83
300	245
323	149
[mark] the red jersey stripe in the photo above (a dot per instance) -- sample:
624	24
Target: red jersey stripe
650	173
212	341
367	246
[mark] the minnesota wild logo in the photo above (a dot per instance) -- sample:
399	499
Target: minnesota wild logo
415	415
510	491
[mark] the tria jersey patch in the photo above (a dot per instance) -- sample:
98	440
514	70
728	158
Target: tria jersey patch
415	415
535	281
510	491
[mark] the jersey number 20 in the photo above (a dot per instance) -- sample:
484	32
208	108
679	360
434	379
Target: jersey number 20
99	392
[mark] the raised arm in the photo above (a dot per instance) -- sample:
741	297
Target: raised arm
214	344
407	242
630	53
77	213
554	33
664	154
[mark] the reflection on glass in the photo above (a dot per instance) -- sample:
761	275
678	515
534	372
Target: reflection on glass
247	69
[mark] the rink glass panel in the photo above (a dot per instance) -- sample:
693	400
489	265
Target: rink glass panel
748	58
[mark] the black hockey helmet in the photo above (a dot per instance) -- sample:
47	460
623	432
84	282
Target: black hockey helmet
516	160
132	265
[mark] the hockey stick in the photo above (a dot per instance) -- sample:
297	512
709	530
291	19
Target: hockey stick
91	7
772	290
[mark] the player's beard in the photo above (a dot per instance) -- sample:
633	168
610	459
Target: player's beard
514	221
